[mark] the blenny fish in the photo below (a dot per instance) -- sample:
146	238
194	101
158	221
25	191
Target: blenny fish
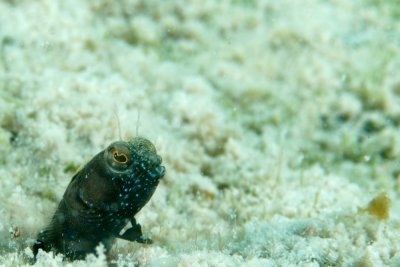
102	198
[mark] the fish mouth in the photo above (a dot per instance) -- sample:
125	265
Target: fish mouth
157	172
148	161
152	168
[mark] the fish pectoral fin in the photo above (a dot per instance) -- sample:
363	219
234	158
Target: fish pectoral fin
132	235
35	248
135	234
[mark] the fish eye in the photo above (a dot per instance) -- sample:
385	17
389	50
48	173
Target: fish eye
119	157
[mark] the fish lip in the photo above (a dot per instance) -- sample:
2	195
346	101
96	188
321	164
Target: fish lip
153	167
161	171
156	172
149	172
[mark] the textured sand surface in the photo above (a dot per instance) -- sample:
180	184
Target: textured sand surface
278	123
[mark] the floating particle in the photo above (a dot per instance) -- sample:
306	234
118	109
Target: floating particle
379	207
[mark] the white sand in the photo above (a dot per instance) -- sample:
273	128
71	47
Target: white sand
278	122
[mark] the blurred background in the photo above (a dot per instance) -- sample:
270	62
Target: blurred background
278	123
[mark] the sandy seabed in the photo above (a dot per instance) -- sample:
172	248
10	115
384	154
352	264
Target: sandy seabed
278	123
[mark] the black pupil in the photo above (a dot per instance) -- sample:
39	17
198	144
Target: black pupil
120	157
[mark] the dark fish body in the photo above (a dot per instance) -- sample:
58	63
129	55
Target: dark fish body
102	198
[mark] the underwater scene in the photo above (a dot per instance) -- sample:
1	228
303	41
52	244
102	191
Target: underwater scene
200	133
